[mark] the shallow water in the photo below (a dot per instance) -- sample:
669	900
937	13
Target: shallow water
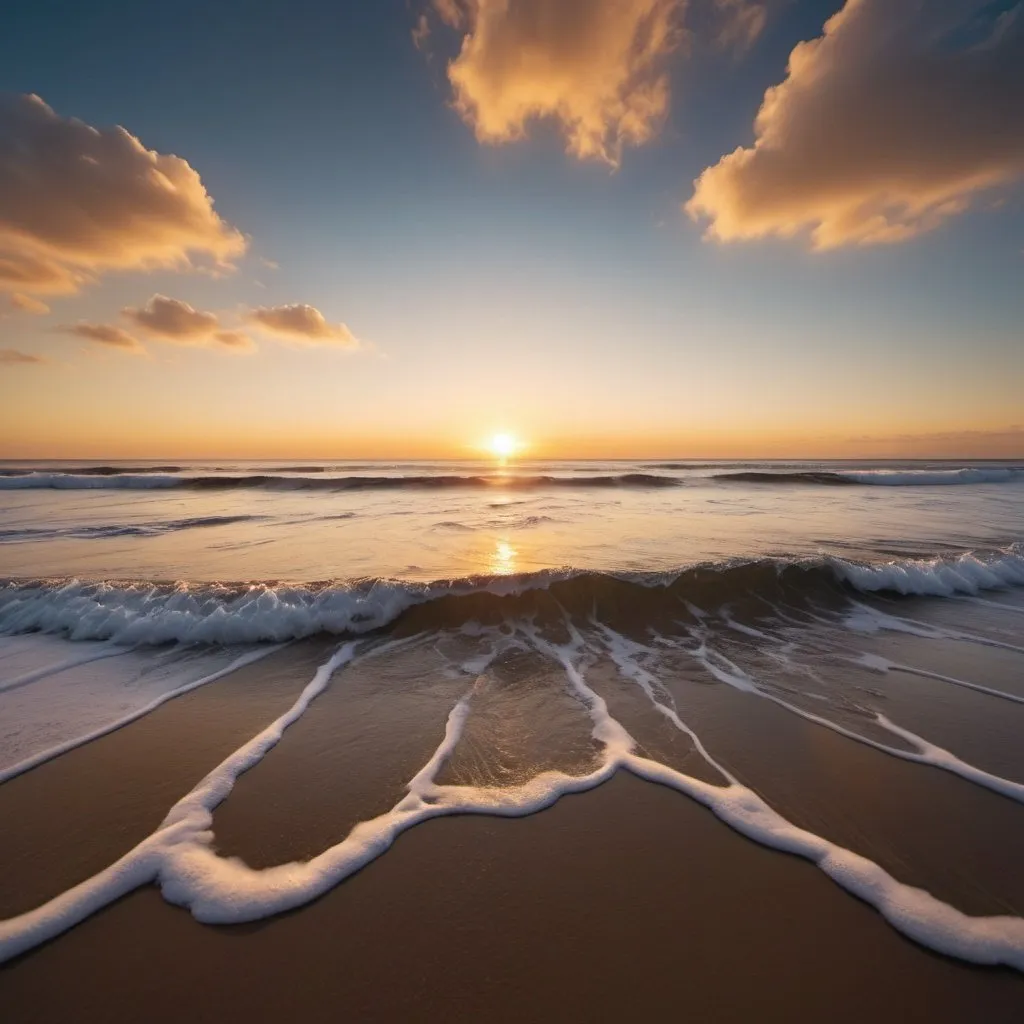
438	521
819	652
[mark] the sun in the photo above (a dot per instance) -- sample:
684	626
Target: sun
503	446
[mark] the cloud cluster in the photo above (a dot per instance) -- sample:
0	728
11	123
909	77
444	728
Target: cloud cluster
597	67
301	323
169	320
174	321
885	126
77	201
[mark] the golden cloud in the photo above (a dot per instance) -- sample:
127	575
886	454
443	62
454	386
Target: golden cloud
172	319
236	341
12	357
597	67
105	334
177	321
299	322
42	276
77	201
885	126
27	304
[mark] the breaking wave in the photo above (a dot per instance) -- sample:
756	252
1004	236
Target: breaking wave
147	613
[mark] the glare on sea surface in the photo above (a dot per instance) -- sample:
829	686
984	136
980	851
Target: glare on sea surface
503	559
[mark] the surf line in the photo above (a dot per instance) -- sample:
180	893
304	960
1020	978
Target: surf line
119	723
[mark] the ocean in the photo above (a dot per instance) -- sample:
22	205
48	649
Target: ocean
827	655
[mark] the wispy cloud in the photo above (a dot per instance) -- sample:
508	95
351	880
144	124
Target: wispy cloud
235	341
740	23
1005	442
28	304
105	334
12	357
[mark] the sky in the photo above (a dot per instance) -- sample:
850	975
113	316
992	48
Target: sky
612	228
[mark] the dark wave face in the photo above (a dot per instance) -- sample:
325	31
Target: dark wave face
755	477
103	531
425	482
477	475
880	478
91	471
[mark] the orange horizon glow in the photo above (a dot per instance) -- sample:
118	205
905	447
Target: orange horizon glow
966	444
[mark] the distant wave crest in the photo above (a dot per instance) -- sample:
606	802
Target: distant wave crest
318	479
878	477
156	481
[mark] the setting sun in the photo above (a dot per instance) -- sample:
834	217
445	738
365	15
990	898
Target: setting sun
503	446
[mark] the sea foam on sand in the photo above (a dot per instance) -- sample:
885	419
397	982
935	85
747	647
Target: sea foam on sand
180	858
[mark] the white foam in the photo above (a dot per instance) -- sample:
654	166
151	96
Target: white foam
914	912
142	613
147	614
180	855
1000	605
93	652
864	619
965	574
876	663
72	708
924	752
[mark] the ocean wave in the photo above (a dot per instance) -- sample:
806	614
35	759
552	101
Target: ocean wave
878	477
297	479
64	481
148	613
16	472
106	531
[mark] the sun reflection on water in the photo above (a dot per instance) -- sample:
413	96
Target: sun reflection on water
503	559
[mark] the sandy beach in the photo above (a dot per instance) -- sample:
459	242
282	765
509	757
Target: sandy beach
629	900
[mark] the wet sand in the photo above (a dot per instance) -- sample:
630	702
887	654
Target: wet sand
629	901
626	902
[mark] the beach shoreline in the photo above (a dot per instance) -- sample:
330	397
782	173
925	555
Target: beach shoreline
627	900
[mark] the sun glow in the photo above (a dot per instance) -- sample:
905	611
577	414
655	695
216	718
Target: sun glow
503	446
